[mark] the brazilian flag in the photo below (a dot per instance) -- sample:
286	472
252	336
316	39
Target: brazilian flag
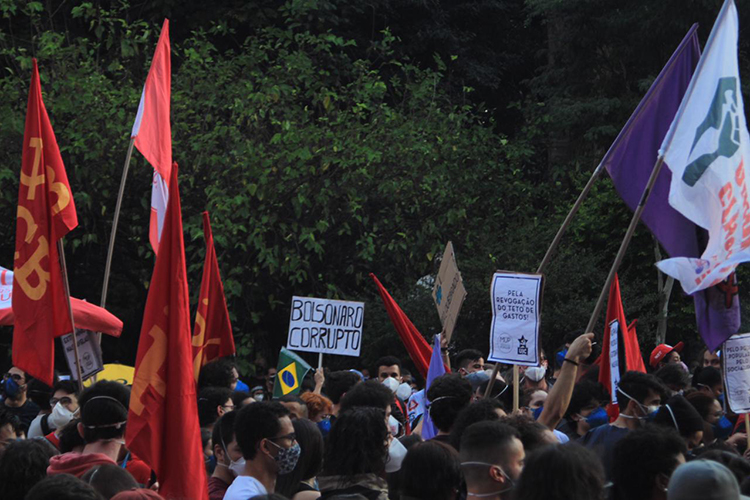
289	373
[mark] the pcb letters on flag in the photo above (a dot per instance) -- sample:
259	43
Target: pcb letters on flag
707	149
46	212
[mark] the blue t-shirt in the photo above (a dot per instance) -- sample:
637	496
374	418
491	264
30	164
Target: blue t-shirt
602	441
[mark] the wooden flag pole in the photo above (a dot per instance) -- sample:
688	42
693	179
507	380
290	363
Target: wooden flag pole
625	242
110	251
66	286
569	218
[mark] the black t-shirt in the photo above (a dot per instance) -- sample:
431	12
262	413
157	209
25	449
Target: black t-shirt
26	413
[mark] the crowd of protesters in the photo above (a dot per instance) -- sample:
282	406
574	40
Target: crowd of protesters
358	434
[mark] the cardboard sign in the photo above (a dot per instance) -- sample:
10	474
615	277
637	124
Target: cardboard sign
614	358
736	357
514	335
449	292
326	326
89	353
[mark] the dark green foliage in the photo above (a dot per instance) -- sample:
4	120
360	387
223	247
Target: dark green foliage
331	139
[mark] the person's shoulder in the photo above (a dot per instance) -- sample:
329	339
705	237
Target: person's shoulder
602	433
244	487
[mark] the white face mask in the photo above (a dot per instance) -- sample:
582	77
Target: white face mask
258	397
535	373
396	454
60	416
404	391
391	383
237	466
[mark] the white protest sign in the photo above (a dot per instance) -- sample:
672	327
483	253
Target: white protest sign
89	353
449	292
514	337
736	357
614	358
326	326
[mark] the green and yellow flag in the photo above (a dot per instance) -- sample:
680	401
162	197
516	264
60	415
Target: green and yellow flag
290	372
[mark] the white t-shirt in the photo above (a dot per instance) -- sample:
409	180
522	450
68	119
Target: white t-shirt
244	487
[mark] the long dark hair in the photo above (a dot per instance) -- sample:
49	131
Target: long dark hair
570	472
310	461
357	443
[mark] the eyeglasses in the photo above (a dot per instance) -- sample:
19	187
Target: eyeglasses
65	401
14	376
292	437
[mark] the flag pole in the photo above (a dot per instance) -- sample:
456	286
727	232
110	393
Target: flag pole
66	285
110	251
569	218
545	260
320	360
625	242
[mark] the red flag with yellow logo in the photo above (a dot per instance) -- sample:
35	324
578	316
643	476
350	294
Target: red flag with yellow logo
46	213
163	428
212	335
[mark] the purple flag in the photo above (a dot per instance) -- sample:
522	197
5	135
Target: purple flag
437	368
631	159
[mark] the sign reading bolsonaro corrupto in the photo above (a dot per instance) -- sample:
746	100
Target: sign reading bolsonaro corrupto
326	326
514	337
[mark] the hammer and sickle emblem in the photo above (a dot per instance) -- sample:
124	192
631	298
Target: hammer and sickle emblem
147	373
198	341
61	190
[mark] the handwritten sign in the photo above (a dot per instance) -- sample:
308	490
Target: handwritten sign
89	353
326	326
736	357
449	292
514	335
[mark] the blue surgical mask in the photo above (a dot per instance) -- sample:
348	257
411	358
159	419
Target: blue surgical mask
325	426
597	418
721	399
538	412
10	387
722	429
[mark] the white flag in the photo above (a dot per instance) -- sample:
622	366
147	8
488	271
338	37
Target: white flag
707	149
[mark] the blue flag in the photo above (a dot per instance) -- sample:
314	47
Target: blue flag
437	368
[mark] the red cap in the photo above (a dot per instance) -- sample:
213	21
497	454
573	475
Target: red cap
661	351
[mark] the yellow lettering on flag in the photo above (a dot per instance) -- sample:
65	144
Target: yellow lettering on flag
288	378
148	371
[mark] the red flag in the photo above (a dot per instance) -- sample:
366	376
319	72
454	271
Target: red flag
629	341
212	335
46	213
163	428
417	347
153	132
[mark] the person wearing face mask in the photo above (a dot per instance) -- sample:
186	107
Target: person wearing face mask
585	411
265	434
389	371
229	461
679	414
492	458
716	426
300	484
638	396
64	405
104	414
533	379
14	389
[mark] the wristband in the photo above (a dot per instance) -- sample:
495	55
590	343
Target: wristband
570	361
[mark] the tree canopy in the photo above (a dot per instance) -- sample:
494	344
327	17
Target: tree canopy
331	139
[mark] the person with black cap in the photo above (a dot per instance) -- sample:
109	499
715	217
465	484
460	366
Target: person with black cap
679	414
104	413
